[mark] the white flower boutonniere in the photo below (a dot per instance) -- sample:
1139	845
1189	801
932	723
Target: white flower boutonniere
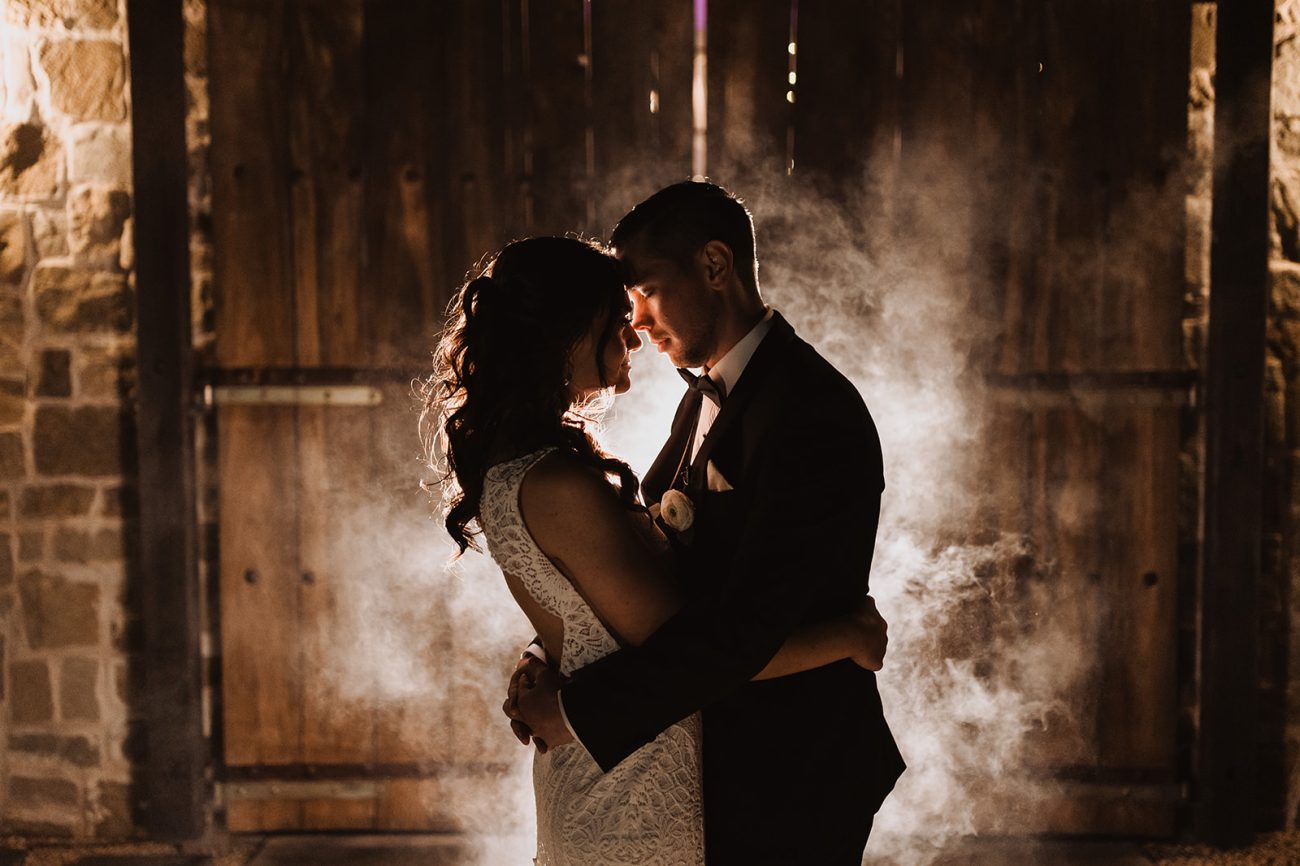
676	510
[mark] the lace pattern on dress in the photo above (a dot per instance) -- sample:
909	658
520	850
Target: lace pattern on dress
647	810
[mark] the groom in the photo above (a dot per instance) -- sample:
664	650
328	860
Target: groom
781	462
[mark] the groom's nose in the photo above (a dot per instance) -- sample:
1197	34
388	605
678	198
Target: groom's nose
641	319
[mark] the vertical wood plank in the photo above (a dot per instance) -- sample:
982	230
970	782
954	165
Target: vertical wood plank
260	639
405	171
846	91
479	181
418	726
256	326
748	114
641	85
250	222
1234	425
324	48
173	773
559	117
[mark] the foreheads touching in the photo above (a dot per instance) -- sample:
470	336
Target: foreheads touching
678	221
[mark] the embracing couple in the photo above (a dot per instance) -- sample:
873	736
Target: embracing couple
702	685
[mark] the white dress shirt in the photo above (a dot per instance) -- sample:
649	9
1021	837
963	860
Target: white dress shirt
727	373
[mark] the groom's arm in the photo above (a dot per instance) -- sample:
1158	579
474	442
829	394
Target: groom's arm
821	491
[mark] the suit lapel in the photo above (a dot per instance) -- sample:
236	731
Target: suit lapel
764	359
662	472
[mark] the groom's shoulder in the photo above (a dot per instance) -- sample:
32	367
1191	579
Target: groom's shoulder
821	382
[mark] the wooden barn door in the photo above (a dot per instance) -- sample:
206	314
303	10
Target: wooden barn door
364	156
1092	387
1067	124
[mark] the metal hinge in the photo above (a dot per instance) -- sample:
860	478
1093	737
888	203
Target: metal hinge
321	789
292	395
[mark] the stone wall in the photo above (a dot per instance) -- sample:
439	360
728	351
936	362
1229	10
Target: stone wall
66	438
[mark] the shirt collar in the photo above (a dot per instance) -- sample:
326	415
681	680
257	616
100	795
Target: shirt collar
728	369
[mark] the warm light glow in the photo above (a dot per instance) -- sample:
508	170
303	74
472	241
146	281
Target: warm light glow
793	77
790	48
789	96
700	93
654	101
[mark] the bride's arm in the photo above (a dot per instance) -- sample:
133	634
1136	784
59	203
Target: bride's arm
579	522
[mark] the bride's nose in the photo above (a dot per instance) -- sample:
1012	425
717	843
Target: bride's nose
632	339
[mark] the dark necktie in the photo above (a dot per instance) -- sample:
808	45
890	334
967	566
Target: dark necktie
714	391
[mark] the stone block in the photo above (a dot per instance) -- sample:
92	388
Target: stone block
50	232
105	374
30	161
126	256
17	84
2	667
1286	78
69	14
100	153
31	699
75	545
87	77
5	510
31	792
78	751
121	502
31	545
97	216
114	808
55	377
58	612
196	38
55	500
83	301
12	401
90	14
38	829
83	440
6	559
79	689
13	248
11	332
12	463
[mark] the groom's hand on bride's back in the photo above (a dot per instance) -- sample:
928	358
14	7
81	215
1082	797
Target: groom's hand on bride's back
870	635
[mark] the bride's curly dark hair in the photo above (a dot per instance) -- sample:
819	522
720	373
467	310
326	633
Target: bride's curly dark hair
500	384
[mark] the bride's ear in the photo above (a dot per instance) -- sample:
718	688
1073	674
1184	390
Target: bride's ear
716	262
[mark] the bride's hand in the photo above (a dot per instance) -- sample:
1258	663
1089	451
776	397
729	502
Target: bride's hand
868	635
527	671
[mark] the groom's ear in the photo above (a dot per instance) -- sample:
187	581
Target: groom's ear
716	260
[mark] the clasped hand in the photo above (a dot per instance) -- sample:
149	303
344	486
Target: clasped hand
533	704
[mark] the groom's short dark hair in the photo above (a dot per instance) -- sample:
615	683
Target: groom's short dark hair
676	222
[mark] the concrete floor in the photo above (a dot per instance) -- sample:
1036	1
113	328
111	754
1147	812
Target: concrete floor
1276	849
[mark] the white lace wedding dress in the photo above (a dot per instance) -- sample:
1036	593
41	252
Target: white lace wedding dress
647	810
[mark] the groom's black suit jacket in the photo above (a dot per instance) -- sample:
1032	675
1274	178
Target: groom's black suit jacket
790	761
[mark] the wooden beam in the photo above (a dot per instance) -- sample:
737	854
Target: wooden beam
175	795
1234	424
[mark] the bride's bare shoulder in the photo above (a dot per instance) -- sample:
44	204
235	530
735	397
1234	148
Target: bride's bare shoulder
564	499
562	476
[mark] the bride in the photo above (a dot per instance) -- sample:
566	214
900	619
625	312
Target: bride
534	346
